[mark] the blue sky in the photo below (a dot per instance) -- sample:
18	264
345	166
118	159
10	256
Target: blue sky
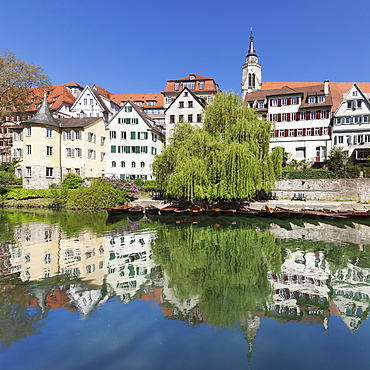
136	46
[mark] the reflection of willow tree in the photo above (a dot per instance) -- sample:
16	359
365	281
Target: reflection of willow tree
226	268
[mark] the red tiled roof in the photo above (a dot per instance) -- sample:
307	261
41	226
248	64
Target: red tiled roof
143	97
209	84
102	91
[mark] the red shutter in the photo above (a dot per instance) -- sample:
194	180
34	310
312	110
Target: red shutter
286	132
329	130
307	115
279	102
327	114
276	133
298	116
318	114
295	132
288	117
289	101
279	117
304	132
312	131
297	99
270	102
320	130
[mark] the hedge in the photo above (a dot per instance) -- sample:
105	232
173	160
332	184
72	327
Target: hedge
308	174
19	194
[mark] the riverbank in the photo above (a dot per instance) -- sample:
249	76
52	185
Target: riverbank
283	203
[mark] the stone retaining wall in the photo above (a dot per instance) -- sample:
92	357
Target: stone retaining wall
325	189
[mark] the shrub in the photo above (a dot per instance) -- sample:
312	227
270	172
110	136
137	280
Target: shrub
99	195
72	181
307	174
19	194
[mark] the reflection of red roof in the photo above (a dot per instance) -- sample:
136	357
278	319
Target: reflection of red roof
56	299
155	295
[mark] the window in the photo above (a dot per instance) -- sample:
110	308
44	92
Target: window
172	118
365	119
354	93
283	117
68	135
274	117
142	135
181	104
91	154
28	172
284	101
338	121
311	100
154	151
300	132
133	164
321	99
308	131
102	140
317	130
190	118
360	139
142	165
154	137
77	171
293	116
356	119
91	101
274	102
70	152
28	150
201	85
261	104
312	114
123	164
169	99
294	100
340	139
143	149
151	102
291	132
128	109
189	85
112	135
78	134
349	104
49	150
102	157
190	104
78	152
300	153
135	121
181	118
49	171
359	103
91	137
177	86
28	131
139	103
199	118
347	120
49	133
85	101
113	163
281	133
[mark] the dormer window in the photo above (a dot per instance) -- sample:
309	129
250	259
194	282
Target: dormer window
150	102
177	86
311	100
201	85
261	104
321	99
139	103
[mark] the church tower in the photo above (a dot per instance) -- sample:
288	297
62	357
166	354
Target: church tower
251	70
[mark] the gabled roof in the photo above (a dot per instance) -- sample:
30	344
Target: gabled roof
43	116
95	94
209	84
304	91
142	115
102	91
144	97
198	100
79	122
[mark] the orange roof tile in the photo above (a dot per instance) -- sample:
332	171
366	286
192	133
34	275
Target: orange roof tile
144	97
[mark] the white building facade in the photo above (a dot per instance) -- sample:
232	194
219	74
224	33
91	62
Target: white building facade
133	143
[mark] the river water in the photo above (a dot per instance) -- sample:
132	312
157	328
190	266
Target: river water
83	291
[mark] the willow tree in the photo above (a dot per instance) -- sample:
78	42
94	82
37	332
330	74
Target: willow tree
228	158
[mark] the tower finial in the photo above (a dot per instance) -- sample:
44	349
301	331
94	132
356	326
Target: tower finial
251	50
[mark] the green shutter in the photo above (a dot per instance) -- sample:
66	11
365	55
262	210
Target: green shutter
146	136
113	149
119	148
133	135
127	149
146	149
127	121
137	149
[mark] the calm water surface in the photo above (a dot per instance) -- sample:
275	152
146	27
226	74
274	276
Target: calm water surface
81	291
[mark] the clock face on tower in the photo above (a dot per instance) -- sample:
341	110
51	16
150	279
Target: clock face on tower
252	59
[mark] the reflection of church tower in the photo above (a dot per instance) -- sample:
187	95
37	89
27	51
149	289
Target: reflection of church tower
251	70
250	328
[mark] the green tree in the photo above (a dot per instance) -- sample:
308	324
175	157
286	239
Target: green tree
228	158
340	165
72	181
16	79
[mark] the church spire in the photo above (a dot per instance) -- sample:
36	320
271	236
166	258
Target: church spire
251	50
251	70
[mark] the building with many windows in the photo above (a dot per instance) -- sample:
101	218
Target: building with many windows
133	142
49	148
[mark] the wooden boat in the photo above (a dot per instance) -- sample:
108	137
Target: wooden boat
167	210
151	210
181	211
274	212
211	211
227	212
294	213
195	211
246	212
119	210
136	209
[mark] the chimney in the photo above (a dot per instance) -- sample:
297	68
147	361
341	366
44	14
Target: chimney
326	87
